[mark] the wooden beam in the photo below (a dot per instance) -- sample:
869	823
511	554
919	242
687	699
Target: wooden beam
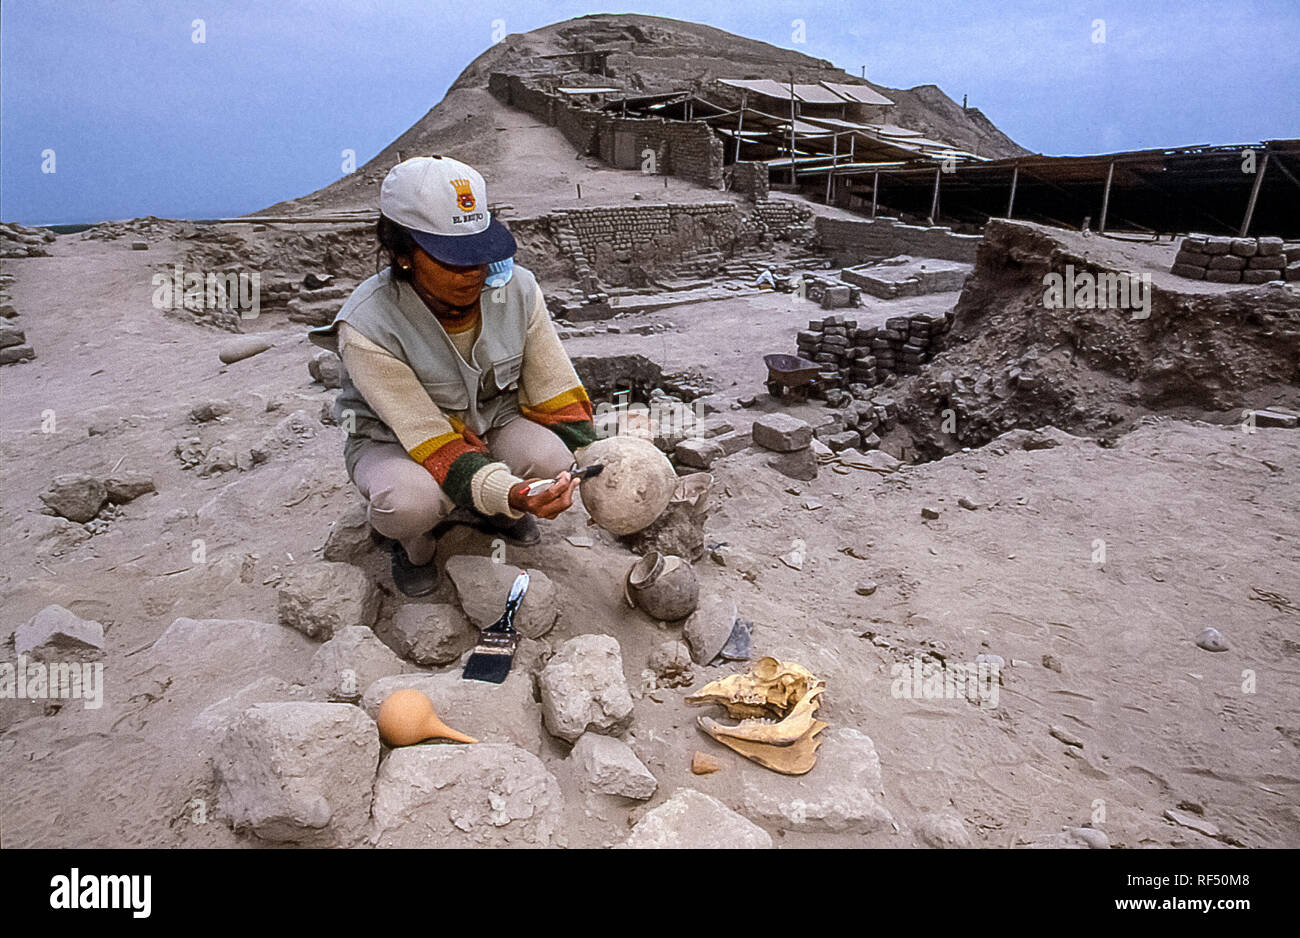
1015	178
794	173
1254	194
740	125
830	174
934	202
1105	198
875	186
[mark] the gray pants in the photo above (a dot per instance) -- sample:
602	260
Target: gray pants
405	502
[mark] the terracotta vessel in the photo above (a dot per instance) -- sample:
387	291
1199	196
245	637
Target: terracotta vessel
663	586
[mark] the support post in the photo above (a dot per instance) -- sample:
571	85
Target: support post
830	175
934	202
794	173
1105	198
875	187
740	125
1015	178
1254	194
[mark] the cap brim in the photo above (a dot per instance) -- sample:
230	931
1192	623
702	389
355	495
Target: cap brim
493	243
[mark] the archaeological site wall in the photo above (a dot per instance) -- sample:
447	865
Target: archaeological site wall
848	241
686	149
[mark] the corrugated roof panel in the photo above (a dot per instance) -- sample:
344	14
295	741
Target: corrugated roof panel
859	93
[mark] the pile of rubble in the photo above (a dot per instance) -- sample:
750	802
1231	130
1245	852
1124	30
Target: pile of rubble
148	226
1237	260
13	340
20	241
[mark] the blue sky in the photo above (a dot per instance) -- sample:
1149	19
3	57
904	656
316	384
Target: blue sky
143	120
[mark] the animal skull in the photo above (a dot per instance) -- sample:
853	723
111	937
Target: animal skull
776	703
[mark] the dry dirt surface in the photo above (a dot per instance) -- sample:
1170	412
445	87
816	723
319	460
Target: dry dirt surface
1088	570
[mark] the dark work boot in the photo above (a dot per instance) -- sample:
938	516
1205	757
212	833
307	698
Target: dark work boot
410	579
522	531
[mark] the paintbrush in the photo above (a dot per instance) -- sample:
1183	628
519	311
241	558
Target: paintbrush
495	652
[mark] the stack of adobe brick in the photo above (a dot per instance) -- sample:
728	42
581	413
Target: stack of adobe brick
850	355
1230	260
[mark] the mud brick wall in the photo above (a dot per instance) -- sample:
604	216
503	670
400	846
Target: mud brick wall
751	177
580	127
686	149
1234	260
781	216
621	243
849	242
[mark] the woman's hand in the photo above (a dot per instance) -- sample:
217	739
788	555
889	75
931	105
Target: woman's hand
546	504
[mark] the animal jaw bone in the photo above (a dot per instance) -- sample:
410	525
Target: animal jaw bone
776	703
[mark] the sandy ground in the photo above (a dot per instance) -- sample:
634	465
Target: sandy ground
1198	523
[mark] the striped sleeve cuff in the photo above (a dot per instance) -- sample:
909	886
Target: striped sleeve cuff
490	489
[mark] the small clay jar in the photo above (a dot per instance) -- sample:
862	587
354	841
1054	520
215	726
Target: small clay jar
663	586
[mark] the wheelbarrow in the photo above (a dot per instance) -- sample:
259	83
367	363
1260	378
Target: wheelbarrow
790	375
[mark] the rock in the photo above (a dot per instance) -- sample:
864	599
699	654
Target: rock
583	688
350	662
320	598
481	795
291	432
218	459
838	795
75	496
483	585
1192	822
690	820
326	368
1065	736
609	766
1211	639
55	634
16	353
1052	663
704	764
299	773
11	336
234	650
671	664
349	539
944	831
314	281
127	486
697	453
866	588
1095	839
209	410
781	433
968	504
800	464
431	633
930	514
139	245
709	627
491	713
1273	418
214	720
245	346
843	440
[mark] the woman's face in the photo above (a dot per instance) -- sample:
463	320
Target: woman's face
450	285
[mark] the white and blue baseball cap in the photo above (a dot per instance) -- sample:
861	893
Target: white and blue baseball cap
443	203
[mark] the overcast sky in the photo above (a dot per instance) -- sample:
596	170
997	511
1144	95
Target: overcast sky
143	120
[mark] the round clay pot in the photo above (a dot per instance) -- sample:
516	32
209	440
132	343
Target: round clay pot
633	489
663	586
